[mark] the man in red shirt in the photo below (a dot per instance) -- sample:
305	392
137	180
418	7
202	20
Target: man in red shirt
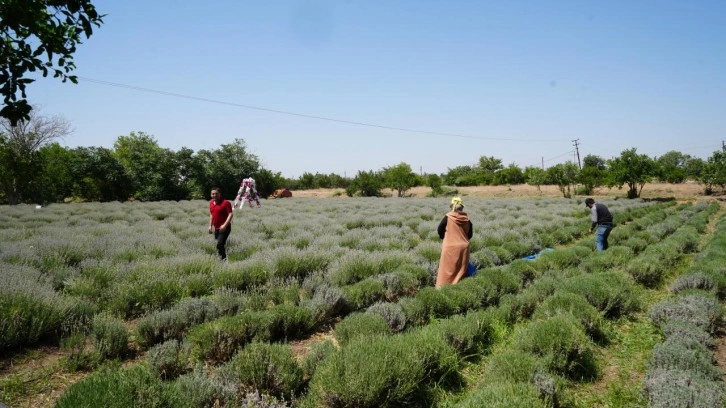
220	220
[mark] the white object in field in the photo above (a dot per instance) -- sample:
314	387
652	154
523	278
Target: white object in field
246	193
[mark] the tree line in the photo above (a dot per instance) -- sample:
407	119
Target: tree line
34	168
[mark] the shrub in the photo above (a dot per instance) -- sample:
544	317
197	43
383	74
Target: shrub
602	261
637	244
696	280
150	293
562	344
467	335
436	303
392	313
298	264
168	360
109	336
493	284
677	388
217	341
504	395
687	330
117	388
577	306
514	366
611	292
702	311
685	355
197	389
415	311
364	294
244	276
171	324
435	350
560	259
78	357
266	367
332	296
32	311
318	352
351	377
358	325
648	269
525	271
398	283
289	322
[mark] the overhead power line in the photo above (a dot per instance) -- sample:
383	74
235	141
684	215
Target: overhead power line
303	115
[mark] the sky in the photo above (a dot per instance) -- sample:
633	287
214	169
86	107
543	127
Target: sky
348	85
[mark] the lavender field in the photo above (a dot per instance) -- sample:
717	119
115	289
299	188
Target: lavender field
330	303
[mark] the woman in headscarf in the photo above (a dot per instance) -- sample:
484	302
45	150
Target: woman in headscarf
456	230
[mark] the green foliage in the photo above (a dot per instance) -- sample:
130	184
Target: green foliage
467	335
364	294
169	360
298	264
21	163
504	395
78	357
535	176
41	36
149	293
219	340
351	378
289	322
672	167
435	182
318	352
713	172
562	344
610	292
113	387
564	175
635	170
514	366
358	325
577	306
365	184
399	177
172	323
109	336
415	310
392	313
269	368
197	389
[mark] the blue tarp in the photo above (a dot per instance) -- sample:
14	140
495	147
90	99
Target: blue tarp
470	269
533	257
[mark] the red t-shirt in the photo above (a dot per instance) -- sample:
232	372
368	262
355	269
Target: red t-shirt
219	212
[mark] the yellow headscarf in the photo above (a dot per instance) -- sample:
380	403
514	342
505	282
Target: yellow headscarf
456	201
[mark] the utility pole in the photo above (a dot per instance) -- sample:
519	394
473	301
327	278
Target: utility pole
542	162
577	151
723	146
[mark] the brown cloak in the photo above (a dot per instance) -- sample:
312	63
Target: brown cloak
454	250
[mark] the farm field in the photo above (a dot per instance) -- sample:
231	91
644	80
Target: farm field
331	303
683	191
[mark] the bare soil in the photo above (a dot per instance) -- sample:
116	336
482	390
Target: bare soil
685	191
